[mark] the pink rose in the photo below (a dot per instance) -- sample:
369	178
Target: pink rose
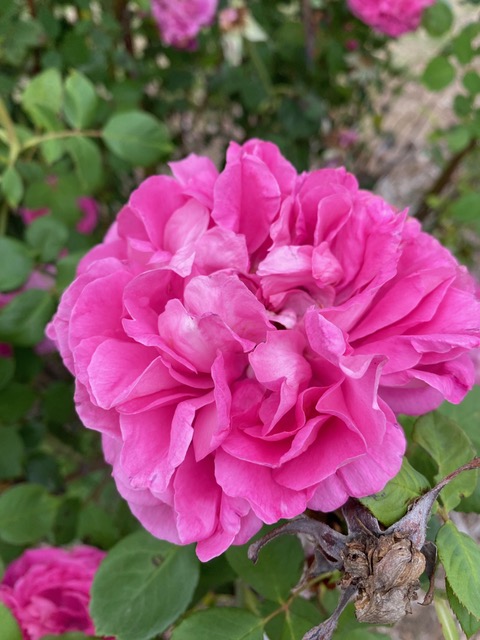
392	17
179	22
241	340
48	590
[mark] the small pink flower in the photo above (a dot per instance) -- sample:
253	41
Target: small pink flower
89	208
179	22
243	339
392	17
48	590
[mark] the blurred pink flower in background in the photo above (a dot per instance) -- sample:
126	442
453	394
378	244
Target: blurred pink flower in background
180	22
242	340
391	17
88	207
48	590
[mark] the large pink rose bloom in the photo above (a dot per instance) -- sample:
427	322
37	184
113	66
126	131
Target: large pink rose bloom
392	17
179	21
240	340
48	590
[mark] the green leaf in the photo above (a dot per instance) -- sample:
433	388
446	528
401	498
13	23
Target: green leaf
437	19
88	163
16	400
7	369
222	623
23	320
58	405
12	186
80	100
96	527
471	82
450	447
438	74
293	622
470	624
47	237
15	264
9	629
137	137
66	269
460	557
458	138
142	587
467	208
360	634
27	513
277	571
462	105
391	504
467	413
44	91
445	617
11	453
462	48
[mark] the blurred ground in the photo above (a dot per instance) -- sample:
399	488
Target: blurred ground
405	168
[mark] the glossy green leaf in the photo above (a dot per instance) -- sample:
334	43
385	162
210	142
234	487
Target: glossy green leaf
142	587
47	237
7	369
471	82
460	556
12	453
44	91
137	137
221	623
438	19
23	320
438	74
88	162
470	624
27	513
15	263
9	629
278	570
12	186
16	400
450	447
391	504
80	100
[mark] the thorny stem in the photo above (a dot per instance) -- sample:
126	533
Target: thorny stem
443	179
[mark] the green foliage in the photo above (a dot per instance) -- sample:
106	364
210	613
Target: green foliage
136	137
469	623
450	447
277	571
27	513
438	74
220	624
390	505
9	628
460	556
142	587
15	263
